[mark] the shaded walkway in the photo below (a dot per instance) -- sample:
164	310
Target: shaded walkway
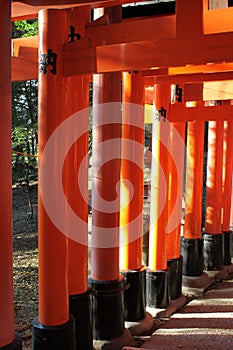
204	323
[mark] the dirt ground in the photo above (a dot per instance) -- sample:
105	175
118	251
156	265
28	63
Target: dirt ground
25	257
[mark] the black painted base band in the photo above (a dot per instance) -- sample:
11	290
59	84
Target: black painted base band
227	239
80	309
15	345
135	295
108	308
192	253
157	289
175	277
213	251
54	337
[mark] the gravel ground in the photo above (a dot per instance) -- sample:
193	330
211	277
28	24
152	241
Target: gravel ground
25	255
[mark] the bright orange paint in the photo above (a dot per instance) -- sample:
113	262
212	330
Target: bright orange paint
77	100
227	175
6	274
53	284
159	188
176	173
194	180
131	253
214	178
105	261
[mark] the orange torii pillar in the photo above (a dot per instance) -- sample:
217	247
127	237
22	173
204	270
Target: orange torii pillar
192	241
8	339
75	182
131	214
54	328
79	293
157	275
107	285
213	237
227	190
175	190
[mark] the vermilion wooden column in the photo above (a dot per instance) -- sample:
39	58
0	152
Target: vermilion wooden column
54	317
175	190
105	279
227	189
75	168
79	293
157	293
192	242
132	165
213	238
108	311
8	339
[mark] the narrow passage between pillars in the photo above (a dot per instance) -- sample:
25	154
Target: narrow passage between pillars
157	276
131	211
192	241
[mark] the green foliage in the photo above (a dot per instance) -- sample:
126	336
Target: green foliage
24	116
25	28
24	130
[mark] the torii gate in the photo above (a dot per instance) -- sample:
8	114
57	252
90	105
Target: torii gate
192	48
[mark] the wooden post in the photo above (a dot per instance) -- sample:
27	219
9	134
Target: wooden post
132	165
175	191
227	190
7	336
53	282
157	274
213	238
77	101
108	312
192	242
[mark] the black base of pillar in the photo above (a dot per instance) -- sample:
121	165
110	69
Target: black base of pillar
15	345
175	277
53	337
134	296
213	251
80	309
108	308
227	238
192	253
157	289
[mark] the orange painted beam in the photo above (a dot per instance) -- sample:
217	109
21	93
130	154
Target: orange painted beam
6	261
214	178
218	20
147	54
29	9
30	42
190	17
194	180
192	77
159	184
179	112
24	69
132	165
